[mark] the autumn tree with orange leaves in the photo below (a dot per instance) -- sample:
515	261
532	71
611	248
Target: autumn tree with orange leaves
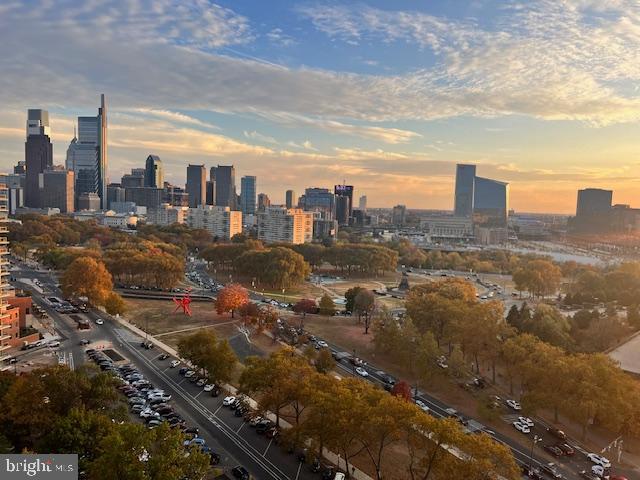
231	298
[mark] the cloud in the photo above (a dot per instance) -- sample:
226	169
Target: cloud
278	37
253	135
175	117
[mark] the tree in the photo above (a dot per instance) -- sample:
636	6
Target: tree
327	307
402	390
324	362
364	304
350	297
204	351
231	298
19	250
538	277
114	305
305	305
86	277
277	267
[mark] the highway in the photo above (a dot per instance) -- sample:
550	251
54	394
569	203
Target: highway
226	434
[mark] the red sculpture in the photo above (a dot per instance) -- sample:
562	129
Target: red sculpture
183	302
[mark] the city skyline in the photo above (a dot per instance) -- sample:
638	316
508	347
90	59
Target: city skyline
381	97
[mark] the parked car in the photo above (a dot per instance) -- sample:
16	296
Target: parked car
189	374
228	401
514	405
527	421
183	370
362	372
557	433
521	427
553	450
174	363
599	460
164	356
566	448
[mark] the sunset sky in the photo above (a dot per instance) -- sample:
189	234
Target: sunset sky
387	95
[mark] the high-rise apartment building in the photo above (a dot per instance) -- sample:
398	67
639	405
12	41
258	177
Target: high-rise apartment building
290	199
87	155
362	203
6	320
58	189
221	222
38	152
166	214
196	185
285	225
225	177
248	185
399	215
153	173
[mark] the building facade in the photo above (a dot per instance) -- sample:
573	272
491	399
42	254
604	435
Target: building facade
490	202
153	173
88	201
464	194
320	200
196	185
344	191
248	186
167	214
399	215
225	177
58	189
38	152
149	197
285	225
221	222
290	199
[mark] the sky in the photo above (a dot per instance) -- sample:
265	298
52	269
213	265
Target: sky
385	95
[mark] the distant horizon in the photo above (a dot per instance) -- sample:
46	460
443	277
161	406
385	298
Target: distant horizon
542	95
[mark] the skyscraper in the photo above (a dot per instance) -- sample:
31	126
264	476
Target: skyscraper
57	189
345	191
38	152
196	185
593	201
464	196
342	209
263	202
153	173
248	195
362	204
225	176
490	202
290	199
87	155
399	215
319	200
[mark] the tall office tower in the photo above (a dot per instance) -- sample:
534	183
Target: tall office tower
115	194
134	179
225	176
593	201
362	204
248	195
263	201
490	202
87	155
342	209
290	199
465	185
153	174
212	174
345	191
20	168
58	189
211	192
319	200
399	215
196	185
38	152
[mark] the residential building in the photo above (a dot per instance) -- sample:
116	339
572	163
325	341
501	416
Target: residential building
38	152
362	203
196	185
153	173
88	201
285	225
9	320
221	222
174	195
225	178
149	197
320	200
248	185
263	202
87	155
58	189
290	199
167	214
399	215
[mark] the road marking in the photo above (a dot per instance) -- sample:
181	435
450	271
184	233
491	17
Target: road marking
240	427
199	393
266	449
180	382
217	409
298	472
240	442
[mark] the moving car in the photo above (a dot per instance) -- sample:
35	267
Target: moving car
99	321
566	448
553	450
514	405
362	372
521	427
527	421
557	433
551	470
423	406
599	460
240	472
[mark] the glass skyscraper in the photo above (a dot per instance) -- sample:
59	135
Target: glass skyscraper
465	182
248	195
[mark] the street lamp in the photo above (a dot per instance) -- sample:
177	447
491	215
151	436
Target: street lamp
284	297
534	441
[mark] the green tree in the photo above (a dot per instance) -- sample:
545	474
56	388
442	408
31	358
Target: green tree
324	362
350	297
327	306
204	350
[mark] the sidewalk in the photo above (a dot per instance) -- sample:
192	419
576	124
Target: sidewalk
330	456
